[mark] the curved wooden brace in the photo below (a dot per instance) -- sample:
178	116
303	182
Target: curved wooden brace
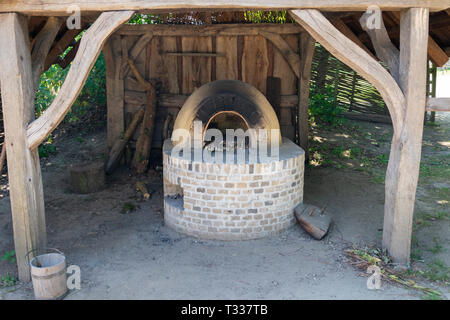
90	47
289	55
356	58
140	44
384	48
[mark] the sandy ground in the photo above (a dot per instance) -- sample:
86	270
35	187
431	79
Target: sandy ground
134	256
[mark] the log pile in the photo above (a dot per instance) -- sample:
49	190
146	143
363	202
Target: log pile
145	117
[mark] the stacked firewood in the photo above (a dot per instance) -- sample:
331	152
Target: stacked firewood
146	116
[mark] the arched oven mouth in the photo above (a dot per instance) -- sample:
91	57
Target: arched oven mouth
227	104
223	121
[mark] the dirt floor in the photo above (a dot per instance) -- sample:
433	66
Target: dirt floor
125	251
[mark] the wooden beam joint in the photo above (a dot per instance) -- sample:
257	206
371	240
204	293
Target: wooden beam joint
89	49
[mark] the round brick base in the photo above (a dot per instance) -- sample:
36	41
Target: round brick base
232	201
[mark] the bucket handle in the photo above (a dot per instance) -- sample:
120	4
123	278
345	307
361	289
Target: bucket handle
42	249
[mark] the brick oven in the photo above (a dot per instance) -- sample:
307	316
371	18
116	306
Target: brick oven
231	198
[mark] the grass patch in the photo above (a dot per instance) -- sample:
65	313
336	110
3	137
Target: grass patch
437	271
346	145
425	219
432	296
363	258
127	208
9	256
437	247
378	178
438	169
7	280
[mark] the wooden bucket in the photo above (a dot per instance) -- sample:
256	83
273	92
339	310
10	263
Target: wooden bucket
48	273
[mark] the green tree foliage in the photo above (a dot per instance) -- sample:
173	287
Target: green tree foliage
92	94
267	16
145	19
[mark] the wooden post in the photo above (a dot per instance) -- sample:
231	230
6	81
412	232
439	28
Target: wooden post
144	141
404	162
24	171
307	45
114	91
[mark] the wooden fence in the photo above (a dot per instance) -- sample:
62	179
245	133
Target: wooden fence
353	92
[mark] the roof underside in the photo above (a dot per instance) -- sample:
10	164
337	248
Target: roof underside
439	29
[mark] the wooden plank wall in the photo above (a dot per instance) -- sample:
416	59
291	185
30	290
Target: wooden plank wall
249	58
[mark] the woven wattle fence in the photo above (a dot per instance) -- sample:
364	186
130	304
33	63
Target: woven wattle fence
354	93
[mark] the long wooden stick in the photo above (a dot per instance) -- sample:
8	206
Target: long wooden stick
288	54
144	142
119	145
3	156
135	51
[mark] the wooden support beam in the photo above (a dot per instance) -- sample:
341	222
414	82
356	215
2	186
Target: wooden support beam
437	55
404	161
53	7
288	54
167	100
24	171
140	44
60	46
90	47
42	45
226	29
438	104
307	46
384	48
114	90
68	58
